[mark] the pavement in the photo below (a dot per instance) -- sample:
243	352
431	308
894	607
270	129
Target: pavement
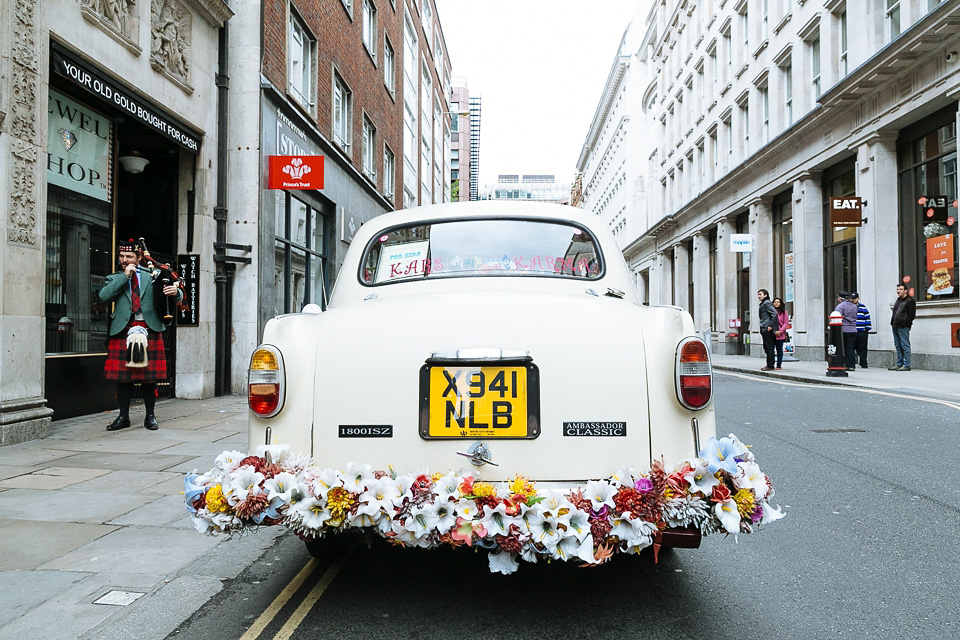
95	541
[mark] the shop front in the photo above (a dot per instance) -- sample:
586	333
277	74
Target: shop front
113	171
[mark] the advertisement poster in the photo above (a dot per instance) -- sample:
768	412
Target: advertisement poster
788	277
940	275
402	261
79	147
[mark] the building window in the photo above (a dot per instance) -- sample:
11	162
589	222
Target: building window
389	172
928	207
728	144
815	66
843	43
745	120
893	18
299	254
788	94
764	20
765	115
301	56
348	5
389	65
370	27
342	112
745	30
728	54
715	145
369	149
426	17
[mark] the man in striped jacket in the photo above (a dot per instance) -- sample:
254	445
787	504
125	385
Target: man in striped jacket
863	328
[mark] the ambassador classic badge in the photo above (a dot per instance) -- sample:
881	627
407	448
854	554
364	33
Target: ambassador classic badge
595	428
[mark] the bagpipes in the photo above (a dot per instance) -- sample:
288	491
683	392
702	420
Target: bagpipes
161	275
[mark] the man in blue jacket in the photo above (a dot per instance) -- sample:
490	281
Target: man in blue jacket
863	328
135	351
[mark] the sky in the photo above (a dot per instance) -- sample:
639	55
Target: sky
539	67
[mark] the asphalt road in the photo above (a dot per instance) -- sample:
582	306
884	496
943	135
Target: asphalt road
870	548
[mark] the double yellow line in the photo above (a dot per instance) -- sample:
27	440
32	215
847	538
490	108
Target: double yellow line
281	600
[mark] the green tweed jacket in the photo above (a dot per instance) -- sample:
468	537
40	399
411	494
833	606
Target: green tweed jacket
117	289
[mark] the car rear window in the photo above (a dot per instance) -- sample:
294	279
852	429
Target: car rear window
481	248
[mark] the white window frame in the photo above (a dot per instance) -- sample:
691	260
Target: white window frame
893	15
348	6
389	171
815	78
369	27
369	149
788	93
389	65
342	112
301	55
765	114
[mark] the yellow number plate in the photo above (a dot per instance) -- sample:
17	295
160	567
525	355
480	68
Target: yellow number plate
479	401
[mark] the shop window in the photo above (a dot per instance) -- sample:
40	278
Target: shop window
928	209
300	257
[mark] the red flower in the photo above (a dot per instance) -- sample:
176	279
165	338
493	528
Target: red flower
721	493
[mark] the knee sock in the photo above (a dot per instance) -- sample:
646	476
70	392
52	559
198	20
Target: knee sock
149	397
124	393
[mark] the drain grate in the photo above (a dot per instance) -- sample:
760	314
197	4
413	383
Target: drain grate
118	598
839	430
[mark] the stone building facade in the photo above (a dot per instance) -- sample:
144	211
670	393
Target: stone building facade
765	111
107	130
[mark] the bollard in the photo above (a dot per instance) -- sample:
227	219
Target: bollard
836	360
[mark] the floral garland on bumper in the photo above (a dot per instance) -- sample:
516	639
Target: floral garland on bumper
722	490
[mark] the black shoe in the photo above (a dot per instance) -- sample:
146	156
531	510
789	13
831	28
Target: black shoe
893	368
863	366
150	422
118	423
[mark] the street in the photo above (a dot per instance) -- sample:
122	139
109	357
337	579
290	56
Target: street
868	549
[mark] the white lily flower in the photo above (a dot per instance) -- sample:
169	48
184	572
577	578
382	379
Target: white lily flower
447	487
245	481
356	476
528	553
770	513
312	513
360	520
625	476
578	524
741	450
328	479
700	479
497	522
402	533
380	496
503	562
281	486
570	547
446	516
422	520
466	509
546	532
600	492
749	476
230	460
728	515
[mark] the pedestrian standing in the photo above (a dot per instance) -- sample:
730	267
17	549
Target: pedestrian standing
849	328
768	325
863	328
904	311
780	335
135	350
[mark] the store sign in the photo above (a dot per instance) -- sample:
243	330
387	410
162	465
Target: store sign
940	252
846	212
79	148
295	172
188	268
741	242
788	277
134	106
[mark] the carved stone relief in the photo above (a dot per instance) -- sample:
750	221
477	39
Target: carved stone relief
170	29
22	223
118	18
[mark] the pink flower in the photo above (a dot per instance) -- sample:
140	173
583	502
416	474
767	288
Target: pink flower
465	530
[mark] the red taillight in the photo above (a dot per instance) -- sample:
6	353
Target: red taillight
694	374
265	382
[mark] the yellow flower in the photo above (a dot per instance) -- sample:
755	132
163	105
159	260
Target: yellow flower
216	501
339	501
745	502
520	486
436	476
483	489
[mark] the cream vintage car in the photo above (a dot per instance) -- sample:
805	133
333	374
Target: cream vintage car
484	374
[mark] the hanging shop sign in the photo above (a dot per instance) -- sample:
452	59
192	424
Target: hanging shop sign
788	277
940	273
295	172
846	212
79	148
188	268
125	100
741	242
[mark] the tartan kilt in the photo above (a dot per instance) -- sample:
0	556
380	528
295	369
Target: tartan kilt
115	368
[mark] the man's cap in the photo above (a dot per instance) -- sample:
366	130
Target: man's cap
128	245
843	294
854	295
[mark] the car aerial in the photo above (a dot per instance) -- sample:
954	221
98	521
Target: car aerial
484	374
